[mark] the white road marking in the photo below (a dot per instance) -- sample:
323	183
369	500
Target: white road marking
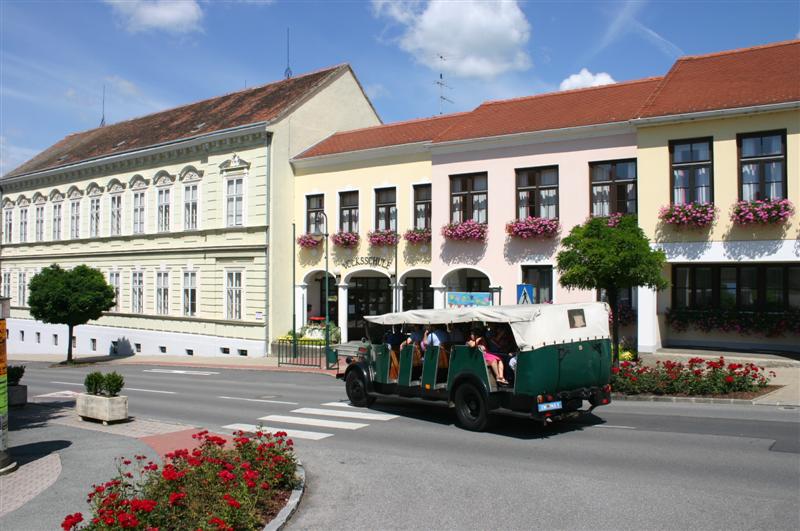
294	434
68	383
176	371
344	414
340	404
322	423
126	388
258	400
614	427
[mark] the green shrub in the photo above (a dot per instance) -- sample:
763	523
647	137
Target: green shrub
15	373
94	383
113	383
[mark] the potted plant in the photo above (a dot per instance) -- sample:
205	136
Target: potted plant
309	241
101	401
418	236
380	238
762	212
532	227
17	394
689	215
469	230
345	239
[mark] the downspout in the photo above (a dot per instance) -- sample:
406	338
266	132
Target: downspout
268	209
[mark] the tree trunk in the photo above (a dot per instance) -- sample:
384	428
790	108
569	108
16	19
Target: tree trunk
69	343
613	301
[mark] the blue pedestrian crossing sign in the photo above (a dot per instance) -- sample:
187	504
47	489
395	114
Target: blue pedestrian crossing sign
526	294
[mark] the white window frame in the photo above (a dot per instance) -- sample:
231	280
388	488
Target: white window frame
189	206
163	201
75	219
39	223
22	288
23	224
162	292
139	211
115	281
7	284
58	220
186	312
8	225
94	217
230	312
241	197
137	291
115	217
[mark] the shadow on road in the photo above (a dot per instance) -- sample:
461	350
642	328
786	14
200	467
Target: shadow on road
25	453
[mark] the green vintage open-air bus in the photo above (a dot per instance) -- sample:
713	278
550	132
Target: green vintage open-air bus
563	359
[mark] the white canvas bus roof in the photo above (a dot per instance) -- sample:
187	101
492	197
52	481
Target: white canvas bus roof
534	325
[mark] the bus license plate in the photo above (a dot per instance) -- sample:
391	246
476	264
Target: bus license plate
549	406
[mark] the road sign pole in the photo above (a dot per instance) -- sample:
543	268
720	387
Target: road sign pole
6	464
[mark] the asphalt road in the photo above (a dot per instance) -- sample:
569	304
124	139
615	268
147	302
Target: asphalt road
408	466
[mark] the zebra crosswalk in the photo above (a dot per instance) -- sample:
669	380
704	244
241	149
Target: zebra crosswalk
342	416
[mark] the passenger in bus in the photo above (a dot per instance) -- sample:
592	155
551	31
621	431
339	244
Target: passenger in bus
395	338
501	343
495	363
456	334
416	336
436	337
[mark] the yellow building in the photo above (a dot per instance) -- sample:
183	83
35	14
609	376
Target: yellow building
188	213
720	129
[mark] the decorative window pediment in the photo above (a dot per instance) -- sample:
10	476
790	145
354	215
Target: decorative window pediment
56	196
163	178
39	199
8	203
94	190
115	186
138	182
74	193
234	163
190	174
23	201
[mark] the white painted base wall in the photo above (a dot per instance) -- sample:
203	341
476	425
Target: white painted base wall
150	342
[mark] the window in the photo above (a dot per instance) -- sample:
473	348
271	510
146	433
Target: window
315	206
57	221
93	343
116	215
422	206
624	297
234	201
75	219
9	225
386	209
163	210
190	207
162	292
468	197
613	187
541	278
22	289
55	339
233	294
348	211
189	293
138	212
113	280
39	223
768	287
23	225
417	293
94	217
537	193
7	284
137	292
762	165
691	165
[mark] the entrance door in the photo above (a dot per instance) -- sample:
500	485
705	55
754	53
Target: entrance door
366	296
333	293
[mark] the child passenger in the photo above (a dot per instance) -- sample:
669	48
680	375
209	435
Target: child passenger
494	362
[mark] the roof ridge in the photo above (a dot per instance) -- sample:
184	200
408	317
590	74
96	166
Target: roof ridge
250	89
656	91
738	50
572	91
402	122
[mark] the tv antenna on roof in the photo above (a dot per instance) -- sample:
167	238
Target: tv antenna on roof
288	71
442	86
103	116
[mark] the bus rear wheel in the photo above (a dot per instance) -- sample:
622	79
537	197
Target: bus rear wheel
356	389
471	408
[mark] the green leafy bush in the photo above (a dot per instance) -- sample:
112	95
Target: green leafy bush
113	383
15	373
94	383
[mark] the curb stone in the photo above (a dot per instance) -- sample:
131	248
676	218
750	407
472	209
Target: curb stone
282	518
684	399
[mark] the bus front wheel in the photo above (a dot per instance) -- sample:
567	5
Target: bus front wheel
471	408
356	389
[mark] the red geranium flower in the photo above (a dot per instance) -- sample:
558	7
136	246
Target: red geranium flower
230	500
176	497
71	520
127	520
729	379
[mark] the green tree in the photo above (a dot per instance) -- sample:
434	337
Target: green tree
610	254
71	297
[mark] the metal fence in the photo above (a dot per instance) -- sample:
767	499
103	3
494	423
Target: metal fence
300	353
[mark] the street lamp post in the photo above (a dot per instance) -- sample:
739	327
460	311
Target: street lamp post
327	289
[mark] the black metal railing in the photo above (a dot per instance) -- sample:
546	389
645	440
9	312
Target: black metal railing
300	353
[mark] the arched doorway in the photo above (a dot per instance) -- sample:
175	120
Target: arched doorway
368	293
315	297
417	291
467	280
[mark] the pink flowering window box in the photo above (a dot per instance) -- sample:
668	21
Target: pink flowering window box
345	239
309	241
762	212
469	230
532	227
381	238
418	236
690	215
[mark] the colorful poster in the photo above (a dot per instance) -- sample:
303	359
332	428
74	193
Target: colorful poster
462	299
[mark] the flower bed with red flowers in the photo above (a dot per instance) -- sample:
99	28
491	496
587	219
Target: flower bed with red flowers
213	487
418	236
770	324
763	212
690	215
345	239
532	227
695	377
308	241
381	238
466	231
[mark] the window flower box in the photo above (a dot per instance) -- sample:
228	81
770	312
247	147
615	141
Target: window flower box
769	324
532	227
309	241
379	238
346	239
762	212
469	230
418	236
691	215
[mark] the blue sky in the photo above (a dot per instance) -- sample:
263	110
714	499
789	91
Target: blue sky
56	56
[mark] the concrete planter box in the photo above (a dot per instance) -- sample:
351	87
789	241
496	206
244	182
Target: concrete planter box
103	408
17	395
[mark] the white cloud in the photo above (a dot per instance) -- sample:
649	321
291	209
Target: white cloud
478	39
376	91
584	78
12	156
174	16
